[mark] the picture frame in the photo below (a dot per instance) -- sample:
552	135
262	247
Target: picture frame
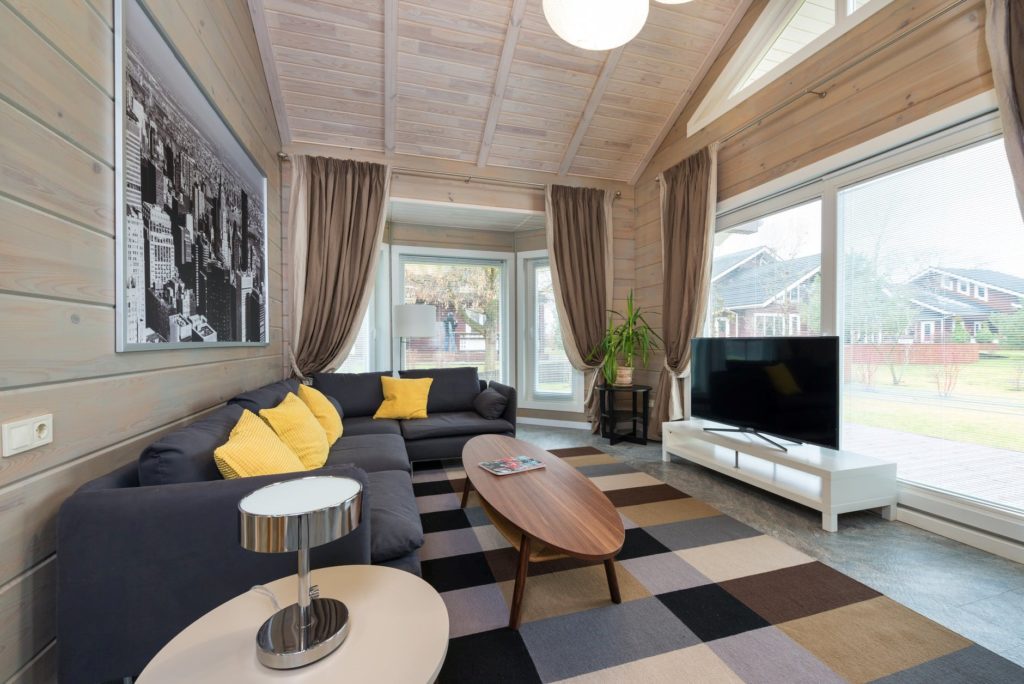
191	204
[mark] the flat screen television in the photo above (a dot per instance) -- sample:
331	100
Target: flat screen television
785	387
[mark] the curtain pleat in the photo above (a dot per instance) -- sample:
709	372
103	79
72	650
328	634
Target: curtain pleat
579	235
340	214
688	194
1004	34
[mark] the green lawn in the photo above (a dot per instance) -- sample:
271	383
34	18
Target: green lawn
1003	430
988	377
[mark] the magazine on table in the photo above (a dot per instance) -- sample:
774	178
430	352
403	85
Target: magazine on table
511	465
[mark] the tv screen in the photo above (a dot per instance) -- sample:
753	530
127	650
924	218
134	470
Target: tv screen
782	386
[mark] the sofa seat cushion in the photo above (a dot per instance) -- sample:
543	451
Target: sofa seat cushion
395	529
372	453
453	424
453	389
366	425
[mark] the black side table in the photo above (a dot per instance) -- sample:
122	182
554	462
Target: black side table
610	416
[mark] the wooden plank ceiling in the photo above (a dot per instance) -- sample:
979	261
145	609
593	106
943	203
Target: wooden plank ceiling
483	81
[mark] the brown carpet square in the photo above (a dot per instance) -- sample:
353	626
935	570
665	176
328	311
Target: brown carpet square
797	591
640	495
576	451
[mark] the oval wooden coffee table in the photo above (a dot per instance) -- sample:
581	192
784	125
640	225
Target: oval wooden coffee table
547	513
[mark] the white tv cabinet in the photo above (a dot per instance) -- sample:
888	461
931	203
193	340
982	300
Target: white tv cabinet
827	480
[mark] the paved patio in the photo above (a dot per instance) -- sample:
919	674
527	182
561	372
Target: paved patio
981	472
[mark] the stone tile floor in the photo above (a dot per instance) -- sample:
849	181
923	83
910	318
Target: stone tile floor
969	591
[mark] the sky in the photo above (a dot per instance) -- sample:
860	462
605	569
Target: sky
956	211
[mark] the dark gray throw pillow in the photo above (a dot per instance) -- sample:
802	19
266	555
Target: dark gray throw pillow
490	403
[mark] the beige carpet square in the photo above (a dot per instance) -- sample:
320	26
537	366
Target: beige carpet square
610	482
694	664
895	637
588	460
661	512
572	591
742	557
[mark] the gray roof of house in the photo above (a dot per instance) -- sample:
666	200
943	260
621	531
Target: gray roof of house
1003	281
723	263
947	305
754	286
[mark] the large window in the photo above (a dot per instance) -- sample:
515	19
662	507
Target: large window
766	276
372	348
934	371
920	271
471	294
546	378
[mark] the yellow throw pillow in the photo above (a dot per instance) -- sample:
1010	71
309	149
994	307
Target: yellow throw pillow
404	398
297	427
253	449
324	411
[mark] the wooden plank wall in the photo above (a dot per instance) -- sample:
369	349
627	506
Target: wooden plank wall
57	278
915	74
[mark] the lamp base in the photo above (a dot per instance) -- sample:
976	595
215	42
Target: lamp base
283	644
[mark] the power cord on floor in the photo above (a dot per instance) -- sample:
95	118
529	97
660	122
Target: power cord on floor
261	589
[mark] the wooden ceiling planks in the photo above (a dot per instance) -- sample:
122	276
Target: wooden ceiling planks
483	81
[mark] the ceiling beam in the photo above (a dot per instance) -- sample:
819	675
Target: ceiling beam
259	26
698	78
508	51
390	73
610	62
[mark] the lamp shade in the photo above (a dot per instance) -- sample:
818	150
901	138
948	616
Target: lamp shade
596	24
414	320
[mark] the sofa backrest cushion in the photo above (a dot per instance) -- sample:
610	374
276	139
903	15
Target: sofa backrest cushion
453	389
267	396
360	394
186	455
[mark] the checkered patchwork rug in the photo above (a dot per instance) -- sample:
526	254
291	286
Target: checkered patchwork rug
705	598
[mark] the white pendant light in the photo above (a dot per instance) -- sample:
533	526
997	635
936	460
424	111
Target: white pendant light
596	24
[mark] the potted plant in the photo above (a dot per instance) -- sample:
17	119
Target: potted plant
632	338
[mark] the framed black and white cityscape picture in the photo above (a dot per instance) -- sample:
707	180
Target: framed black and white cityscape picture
191	203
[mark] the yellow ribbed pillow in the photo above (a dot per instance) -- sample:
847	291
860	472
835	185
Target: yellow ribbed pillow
297	427
324	411
404	398
253	449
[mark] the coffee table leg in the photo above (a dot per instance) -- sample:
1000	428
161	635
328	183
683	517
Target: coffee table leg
613	581
520	586
465	492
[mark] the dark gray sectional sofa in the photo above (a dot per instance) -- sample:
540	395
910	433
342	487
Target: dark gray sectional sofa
147	549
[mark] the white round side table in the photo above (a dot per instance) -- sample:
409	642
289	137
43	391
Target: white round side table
398	633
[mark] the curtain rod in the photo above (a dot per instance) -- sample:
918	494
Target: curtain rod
466	178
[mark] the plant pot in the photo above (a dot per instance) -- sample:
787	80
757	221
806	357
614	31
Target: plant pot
623	376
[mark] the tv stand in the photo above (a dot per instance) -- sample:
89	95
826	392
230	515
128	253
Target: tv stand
755	433
832	481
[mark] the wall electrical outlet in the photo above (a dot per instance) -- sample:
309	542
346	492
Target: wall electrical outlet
22	435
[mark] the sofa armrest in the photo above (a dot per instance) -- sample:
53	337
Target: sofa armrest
136	565
510	408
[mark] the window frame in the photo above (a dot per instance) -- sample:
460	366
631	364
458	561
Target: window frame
959	127
527	397
508	287
720	98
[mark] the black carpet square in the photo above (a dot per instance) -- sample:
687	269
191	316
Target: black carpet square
442	521
496	657
457	572
434	487
712	612
640	543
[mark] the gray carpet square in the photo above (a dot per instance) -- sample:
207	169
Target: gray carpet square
690	534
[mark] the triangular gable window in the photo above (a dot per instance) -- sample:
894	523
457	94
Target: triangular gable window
785	33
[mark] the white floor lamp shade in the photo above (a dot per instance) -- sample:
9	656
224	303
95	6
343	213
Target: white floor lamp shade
596	24
414	320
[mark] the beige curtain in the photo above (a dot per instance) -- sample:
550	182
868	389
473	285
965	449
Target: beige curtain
338	208
579	235
689	192
1004	33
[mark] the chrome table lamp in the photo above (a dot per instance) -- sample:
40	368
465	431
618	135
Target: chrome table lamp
296	516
